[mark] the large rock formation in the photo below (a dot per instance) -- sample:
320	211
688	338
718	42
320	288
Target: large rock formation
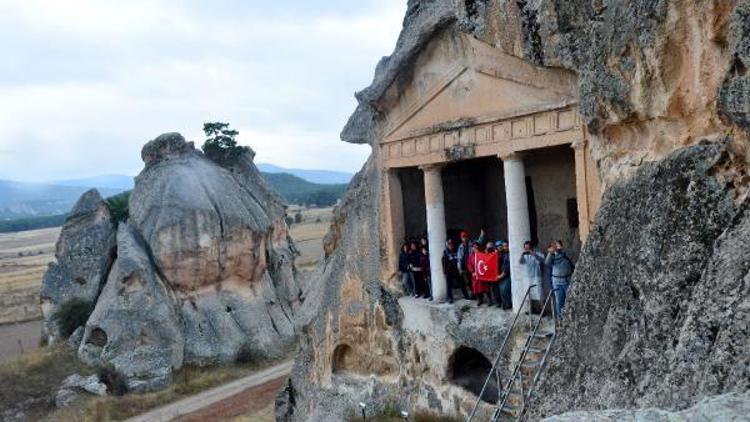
659	313
84	252
204	270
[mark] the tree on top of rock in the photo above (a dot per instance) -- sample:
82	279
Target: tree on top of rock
220	145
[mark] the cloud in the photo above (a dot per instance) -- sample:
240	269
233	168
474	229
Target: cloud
87	83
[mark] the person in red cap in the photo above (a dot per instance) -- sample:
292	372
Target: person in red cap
464	250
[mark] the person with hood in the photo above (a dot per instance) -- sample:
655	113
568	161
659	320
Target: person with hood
407	277
562	270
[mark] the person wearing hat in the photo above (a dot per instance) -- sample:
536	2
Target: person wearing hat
462	254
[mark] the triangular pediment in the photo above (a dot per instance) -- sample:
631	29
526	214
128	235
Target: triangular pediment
474	82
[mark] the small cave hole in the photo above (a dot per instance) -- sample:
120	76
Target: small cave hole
97	337
229	309
468	368
342	358
80	281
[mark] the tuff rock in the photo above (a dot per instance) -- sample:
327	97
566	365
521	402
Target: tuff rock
658	313
84	252
204	268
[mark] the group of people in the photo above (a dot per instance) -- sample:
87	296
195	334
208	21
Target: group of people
461	267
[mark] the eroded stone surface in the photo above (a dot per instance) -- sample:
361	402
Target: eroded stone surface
84	253
135	326
658	313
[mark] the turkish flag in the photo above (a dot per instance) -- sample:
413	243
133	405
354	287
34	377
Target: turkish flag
486	266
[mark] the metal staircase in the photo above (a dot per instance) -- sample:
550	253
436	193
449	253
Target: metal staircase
514	395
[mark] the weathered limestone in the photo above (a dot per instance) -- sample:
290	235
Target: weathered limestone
84	254
519	229
625	84
435	229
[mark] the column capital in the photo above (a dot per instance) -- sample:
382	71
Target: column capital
431	167
578	144
511	156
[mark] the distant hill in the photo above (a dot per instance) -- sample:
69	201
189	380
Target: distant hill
30	202
314	176
299	191
24	200
107	181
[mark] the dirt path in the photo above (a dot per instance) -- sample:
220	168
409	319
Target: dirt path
244	395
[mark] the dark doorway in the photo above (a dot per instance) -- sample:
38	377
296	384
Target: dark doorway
468	368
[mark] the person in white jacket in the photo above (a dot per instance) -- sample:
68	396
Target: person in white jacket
532	260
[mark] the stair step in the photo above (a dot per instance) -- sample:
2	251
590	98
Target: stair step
542	334
534	350
531	364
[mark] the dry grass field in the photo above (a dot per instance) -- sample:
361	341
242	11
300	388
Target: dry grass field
23	259
308	235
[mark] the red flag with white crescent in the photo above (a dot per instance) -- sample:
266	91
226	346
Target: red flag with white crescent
486	266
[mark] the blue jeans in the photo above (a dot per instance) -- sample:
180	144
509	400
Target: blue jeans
561	292
407	280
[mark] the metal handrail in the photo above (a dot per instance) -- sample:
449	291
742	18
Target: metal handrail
549	300
521	360
499	356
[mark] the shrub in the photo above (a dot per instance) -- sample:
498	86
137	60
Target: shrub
220	146
119	206
289	221
245	354
116	381
71	315
298	218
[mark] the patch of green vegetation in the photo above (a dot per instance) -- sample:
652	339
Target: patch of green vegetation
221	146
119	206
71	315
32	223
299	191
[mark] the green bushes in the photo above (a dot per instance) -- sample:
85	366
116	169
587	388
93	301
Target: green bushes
71	315
119	206
245	354
116	381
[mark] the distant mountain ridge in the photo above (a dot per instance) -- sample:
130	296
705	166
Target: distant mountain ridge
315	176
23	200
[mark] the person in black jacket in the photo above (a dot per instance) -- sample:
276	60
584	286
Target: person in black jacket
415	269
450	269
407	277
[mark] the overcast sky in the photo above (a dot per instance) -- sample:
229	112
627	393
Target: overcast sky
84	84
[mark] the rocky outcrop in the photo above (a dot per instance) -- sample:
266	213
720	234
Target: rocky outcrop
135	326
654	77
659	310
726	407
204	270
84	253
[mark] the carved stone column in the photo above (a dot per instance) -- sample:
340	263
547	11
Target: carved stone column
519	227
436	235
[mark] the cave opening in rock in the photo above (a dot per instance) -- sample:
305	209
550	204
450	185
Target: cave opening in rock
468	368
342	359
